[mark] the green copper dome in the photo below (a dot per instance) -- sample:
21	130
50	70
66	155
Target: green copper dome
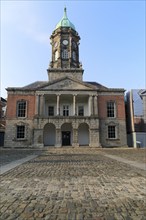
65	22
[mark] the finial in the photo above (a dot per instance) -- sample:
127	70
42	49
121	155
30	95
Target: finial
65	13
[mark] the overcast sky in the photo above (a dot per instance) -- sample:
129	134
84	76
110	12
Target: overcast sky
112	45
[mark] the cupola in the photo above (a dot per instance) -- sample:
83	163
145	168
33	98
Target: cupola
65	22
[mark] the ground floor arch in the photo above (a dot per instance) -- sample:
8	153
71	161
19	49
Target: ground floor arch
49	135
83	134
66	134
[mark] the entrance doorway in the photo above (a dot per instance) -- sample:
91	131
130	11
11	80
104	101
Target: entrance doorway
65	138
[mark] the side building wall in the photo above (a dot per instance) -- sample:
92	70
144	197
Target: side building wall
12	121
118	121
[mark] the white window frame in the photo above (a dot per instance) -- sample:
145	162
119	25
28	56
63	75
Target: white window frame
65	110
111	109
20	109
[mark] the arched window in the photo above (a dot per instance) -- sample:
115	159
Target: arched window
65	54
74	55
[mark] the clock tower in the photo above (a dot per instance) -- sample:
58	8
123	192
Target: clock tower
65	51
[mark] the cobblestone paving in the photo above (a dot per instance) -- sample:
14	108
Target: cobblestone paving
9	155
73	184
137	154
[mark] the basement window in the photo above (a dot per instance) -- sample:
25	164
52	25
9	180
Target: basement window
112	132
20	131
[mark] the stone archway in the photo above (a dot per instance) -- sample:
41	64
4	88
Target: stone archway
49	135
83	134
66	134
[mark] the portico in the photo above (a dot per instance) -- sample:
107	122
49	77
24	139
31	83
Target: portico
66	105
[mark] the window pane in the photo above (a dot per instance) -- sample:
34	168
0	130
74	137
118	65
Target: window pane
21	109
81	111
65	54
74	55
51	111
111	132
65	110
111	109
20	131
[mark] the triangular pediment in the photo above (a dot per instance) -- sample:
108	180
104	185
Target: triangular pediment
67	84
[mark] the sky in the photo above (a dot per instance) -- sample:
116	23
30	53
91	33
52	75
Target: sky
112	45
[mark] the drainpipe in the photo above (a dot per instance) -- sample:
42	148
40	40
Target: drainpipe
132	121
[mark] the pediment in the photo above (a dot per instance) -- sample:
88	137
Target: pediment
67	84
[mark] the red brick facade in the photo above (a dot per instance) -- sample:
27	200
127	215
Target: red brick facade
120	106
12	105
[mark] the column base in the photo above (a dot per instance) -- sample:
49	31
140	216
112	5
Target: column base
95	145
75	145
58	145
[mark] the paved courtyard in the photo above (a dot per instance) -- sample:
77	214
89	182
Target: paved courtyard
74	184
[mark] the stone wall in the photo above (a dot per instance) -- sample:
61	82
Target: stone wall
120	140
74	73
11	132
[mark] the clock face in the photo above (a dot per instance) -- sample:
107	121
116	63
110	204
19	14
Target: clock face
65	42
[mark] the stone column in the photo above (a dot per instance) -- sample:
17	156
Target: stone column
57	109
58	138
94	137
38	138
74	104
95	105
75	138
37	105
90	105
42	105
